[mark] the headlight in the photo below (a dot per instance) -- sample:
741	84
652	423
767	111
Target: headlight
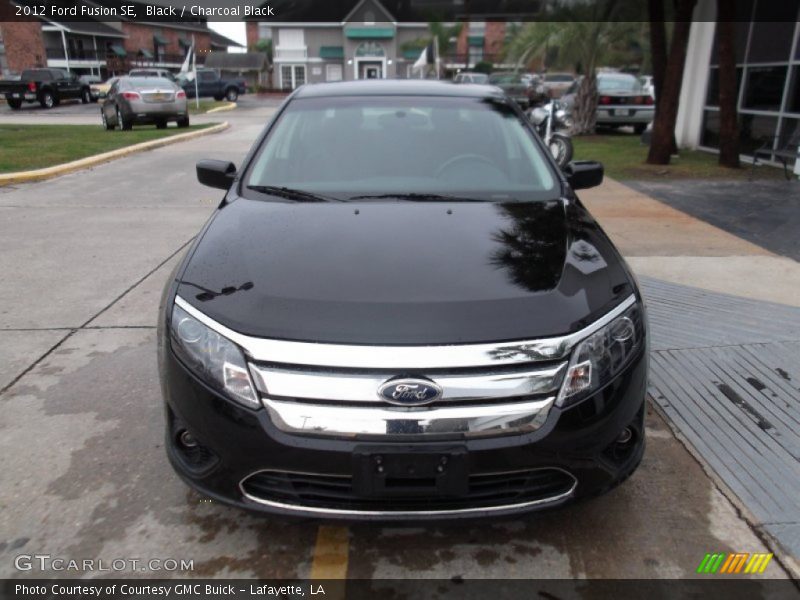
597	359
212	357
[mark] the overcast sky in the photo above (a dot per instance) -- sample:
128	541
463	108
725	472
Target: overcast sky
232	30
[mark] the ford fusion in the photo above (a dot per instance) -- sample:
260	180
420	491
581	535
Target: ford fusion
401	310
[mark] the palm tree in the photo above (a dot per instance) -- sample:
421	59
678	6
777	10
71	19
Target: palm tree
583	43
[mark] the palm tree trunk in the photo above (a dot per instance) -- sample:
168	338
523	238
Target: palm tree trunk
585	111
658	44
664	124
728	126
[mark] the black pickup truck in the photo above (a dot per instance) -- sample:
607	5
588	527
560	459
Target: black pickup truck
48	87
209	83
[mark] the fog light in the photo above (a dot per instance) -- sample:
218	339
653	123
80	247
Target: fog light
187	439
625	436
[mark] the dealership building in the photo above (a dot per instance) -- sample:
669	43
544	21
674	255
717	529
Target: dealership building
768	69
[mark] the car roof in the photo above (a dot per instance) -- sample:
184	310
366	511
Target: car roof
397	87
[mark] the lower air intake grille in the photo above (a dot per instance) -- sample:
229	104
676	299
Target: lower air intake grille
335	492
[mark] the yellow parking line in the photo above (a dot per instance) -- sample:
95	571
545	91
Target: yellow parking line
331	553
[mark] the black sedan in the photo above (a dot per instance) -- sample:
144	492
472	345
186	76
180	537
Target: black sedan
401	310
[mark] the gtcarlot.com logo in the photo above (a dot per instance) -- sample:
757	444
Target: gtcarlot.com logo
734	563
47	562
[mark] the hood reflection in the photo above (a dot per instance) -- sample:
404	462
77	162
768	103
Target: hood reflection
533	248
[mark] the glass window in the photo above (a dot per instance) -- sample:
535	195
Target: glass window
710	134
712	95
764	88
400	145
793	97
790	130
773	30
754	130
618	83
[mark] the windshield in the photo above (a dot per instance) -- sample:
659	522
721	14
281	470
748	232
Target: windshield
618	84
357	147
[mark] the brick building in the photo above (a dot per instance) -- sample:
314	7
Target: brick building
101	48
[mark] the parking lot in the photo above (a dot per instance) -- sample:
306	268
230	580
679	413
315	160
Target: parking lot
84	258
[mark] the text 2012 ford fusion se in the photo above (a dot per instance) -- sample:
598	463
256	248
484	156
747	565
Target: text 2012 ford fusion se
401	310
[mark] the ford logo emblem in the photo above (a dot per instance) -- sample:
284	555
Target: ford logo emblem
409	392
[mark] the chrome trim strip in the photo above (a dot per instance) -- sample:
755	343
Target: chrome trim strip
357	387
350	421
317	511
406	357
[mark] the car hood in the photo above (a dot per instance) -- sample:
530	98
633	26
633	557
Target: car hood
404	272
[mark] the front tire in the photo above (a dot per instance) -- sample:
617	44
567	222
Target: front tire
560	147
232	94
47	100
14	103
86	96
182	123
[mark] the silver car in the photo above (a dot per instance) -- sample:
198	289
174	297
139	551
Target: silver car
144	100
620	101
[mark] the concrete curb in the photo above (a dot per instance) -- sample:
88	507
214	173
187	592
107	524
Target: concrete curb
228	106
91	161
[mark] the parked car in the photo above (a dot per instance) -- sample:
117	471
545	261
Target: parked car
91	79
648	87
163	73
621	101
144	100
555	84
513	85
471	77
100	90
48	87
210	84
433	328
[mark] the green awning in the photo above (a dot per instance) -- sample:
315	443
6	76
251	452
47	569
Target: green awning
475	40
145	52
362	33
159	40
118	50
413	53
185	43
331	52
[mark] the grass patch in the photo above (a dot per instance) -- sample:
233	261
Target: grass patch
623	157
27	147
205	105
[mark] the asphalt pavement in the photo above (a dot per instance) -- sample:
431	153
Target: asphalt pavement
84	258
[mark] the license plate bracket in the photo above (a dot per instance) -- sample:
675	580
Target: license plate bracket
409	471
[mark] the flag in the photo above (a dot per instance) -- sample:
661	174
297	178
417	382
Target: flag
428	57
187	64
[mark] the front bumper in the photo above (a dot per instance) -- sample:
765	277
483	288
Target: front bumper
241	454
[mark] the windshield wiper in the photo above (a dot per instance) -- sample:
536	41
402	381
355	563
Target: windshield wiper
419	198
291	193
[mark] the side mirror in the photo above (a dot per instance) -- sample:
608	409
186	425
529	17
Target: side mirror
583	174
216	173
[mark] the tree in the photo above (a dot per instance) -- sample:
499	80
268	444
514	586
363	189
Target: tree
584	34
663	138
726	50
